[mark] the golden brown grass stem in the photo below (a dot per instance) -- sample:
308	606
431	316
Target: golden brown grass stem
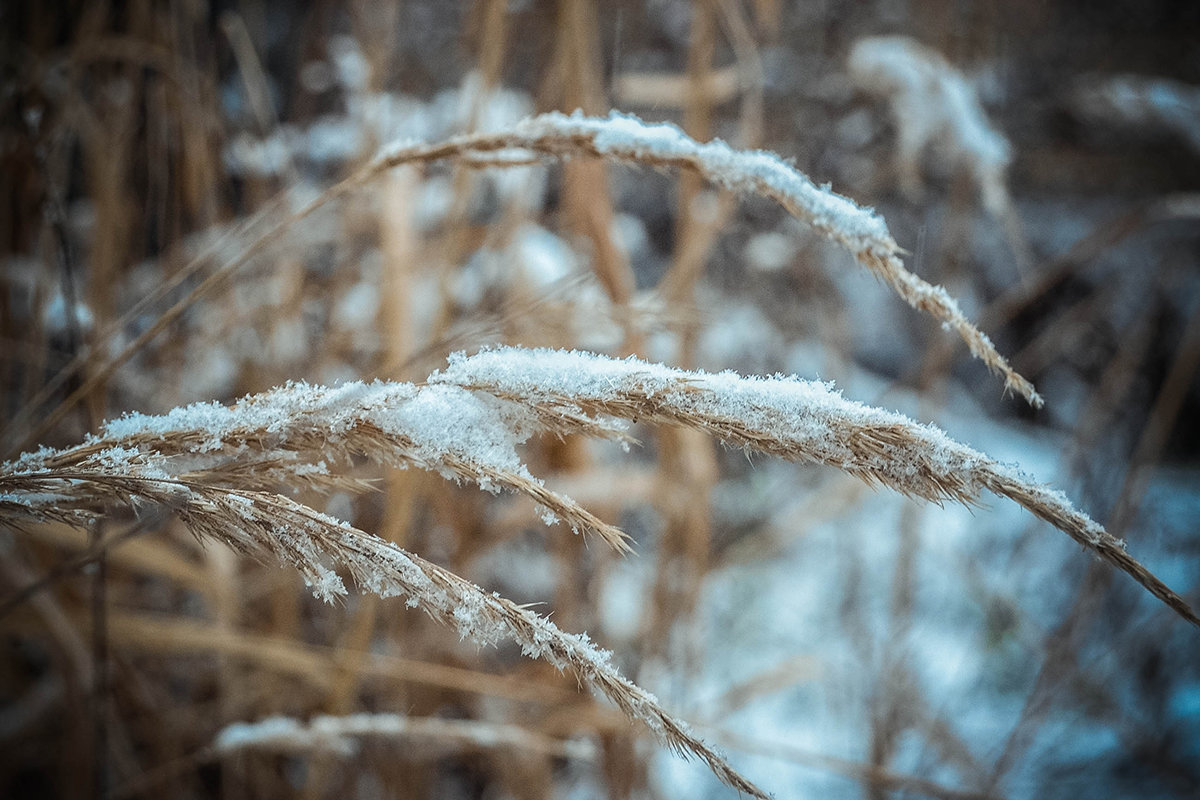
262	524
794	420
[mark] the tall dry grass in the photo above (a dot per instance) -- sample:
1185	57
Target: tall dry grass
211	252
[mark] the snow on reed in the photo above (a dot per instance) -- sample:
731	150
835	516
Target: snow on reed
387	570
268	525
288	434
211	463
339	734
933	105
626	139
787	417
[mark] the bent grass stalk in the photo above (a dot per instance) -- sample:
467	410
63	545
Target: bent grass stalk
211	465
264	524
789	418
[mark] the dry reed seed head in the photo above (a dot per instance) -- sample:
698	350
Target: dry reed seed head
131	462
289	434
790	418
937	302
387	570
449	426
270	526
625	138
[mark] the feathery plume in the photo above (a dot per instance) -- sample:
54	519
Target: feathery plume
289	434
626	139
786	417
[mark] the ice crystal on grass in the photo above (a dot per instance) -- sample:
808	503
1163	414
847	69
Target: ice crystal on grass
626	137
287	434
466	422
787	417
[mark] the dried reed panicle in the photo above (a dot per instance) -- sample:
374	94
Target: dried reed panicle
789	418
626	139
186	459
291	434
263	524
